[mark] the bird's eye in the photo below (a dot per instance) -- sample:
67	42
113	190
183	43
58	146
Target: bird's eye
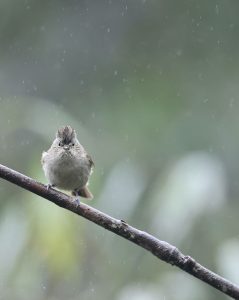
73	144
59	144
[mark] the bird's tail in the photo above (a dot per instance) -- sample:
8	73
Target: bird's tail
84	192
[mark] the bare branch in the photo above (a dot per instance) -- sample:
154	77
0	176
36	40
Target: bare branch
160	249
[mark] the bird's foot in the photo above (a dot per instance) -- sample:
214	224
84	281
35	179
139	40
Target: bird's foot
76	200
49	186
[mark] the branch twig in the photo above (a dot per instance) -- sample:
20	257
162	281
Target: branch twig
160	249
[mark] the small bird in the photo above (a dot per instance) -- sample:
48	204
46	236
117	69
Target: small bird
67	165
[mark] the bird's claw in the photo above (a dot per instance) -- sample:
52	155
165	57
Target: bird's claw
49	186
77	201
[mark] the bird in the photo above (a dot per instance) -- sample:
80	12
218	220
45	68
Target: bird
66	165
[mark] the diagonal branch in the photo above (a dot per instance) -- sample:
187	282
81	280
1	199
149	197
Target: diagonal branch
160	249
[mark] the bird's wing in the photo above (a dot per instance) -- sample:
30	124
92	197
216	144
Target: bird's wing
43	157
90	160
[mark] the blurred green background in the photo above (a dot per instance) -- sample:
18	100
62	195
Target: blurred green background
152	89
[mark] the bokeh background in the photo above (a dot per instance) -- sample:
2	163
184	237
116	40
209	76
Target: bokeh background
152	89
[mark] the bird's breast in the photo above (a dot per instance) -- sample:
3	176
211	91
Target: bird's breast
67	172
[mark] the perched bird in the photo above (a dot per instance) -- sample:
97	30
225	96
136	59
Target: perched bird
67	165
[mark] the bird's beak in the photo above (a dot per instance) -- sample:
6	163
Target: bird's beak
66	147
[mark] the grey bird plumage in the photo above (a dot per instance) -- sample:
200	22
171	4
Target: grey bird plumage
67	165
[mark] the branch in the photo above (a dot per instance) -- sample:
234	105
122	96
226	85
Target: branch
160	249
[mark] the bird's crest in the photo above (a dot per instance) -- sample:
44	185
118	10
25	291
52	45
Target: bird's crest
66	134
